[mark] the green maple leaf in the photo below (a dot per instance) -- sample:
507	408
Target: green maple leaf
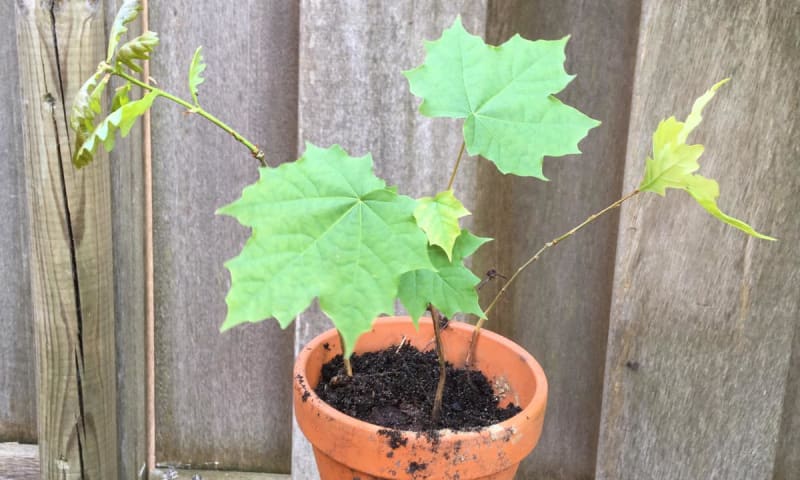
505	94
674	162
324	226
438	218
451	288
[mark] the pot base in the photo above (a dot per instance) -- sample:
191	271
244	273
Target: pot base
350	449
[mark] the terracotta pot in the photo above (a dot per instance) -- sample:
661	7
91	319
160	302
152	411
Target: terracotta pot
350	449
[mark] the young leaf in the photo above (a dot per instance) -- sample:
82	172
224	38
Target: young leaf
121	96
127	13
674	162
324	226
85	107
505	94
438	218
137	49
196	68
451	288
121	119
86	104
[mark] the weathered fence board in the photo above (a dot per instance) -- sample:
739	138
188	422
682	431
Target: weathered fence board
127	205
19	462
559	309
705	312
787	461
352	92
221	399
17	374
59	45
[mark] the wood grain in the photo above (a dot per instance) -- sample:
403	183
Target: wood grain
222	398
352	93
707	313
59	45
18	461
17	374
559	309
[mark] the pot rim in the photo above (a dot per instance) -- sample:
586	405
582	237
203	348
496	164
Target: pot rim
534	409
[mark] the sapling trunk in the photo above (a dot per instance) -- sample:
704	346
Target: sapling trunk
348	366
551	243
437	331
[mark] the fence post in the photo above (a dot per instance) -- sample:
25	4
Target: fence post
59	44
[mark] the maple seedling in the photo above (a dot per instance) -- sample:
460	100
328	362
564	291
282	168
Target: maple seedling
326	227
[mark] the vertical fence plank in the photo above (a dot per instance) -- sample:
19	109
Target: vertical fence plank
59	45
787	461
352	93
705	312
221	399
127	204
559	310
17	374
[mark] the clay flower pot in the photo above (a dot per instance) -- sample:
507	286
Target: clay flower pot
349	449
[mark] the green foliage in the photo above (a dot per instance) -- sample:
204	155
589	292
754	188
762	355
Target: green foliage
438	218
674	162
451	288
127	13
196	68
121	96
324	226
137	49
104	133
505	94
85	107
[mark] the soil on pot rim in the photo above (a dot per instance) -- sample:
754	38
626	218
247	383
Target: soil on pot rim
394	388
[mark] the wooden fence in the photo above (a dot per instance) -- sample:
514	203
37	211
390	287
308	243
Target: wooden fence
671	342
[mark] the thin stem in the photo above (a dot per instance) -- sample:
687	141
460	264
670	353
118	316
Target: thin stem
455	169
437	330
348	367
254	150
535	257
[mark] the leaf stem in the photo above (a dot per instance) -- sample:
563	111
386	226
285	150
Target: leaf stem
437	330
257	153
535	257
455	169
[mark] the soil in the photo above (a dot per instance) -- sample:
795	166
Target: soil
395	388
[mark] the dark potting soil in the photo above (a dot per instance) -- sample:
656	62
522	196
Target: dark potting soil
395	389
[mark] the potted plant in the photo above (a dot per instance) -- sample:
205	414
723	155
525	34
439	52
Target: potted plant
325	227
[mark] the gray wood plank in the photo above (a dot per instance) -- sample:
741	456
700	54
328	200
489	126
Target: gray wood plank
17	375
127	203
707	313
220	398
19	461
787	461
352	93
559	309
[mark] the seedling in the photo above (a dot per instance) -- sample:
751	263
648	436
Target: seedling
326	227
